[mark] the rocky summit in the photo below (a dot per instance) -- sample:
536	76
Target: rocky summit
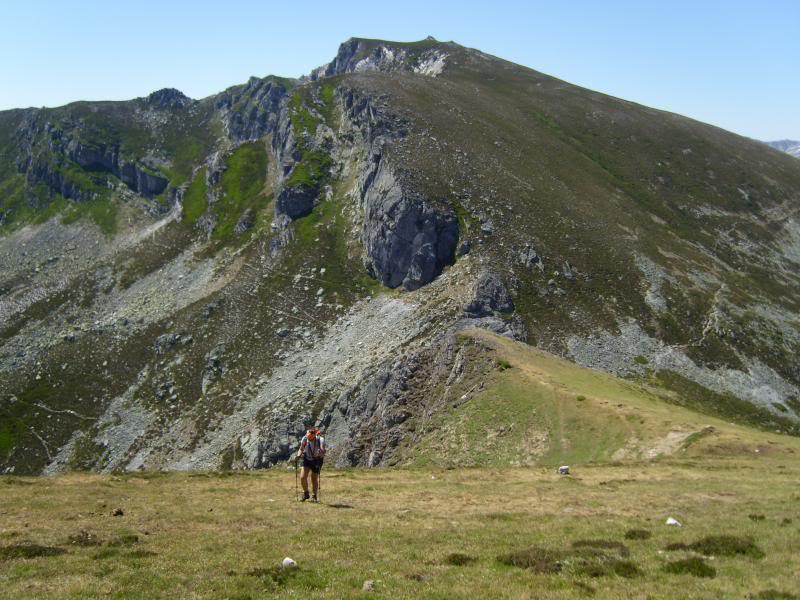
190	283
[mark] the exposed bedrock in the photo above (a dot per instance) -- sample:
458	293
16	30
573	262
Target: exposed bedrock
407	240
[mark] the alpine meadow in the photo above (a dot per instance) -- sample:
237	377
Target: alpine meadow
545	340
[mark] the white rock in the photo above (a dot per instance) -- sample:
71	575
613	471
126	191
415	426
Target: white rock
673	522
288	563
563	470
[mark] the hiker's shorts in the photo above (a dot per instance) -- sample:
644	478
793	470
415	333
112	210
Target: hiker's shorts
315	464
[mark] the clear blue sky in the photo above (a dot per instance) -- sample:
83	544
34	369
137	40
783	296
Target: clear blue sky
732	63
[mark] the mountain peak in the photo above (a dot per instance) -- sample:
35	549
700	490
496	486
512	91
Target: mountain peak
427	57
791	147
169	98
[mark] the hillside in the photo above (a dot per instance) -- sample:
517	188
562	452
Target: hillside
188	284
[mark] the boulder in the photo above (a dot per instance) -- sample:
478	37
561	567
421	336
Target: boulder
489	295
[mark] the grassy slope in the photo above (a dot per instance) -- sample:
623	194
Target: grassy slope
218	536
538	409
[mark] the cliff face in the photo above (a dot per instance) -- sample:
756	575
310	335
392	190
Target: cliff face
190	283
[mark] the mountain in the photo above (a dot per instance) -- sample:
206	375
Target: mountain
789	146
189	283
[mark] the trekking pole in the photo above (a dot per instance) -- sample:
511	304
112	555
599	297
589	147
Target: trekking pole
296	495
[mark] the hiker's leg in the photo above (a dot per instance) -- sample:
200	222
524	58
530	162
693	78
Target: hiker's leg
314	482
304	478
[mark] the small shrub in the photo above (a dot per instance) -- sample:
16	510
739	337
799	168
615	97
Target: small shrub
727	545
640	360
638	534
538	560
690	566
625	568
603	566
677	546
619	547
580	398
721	545
502	364
458	559
28	551
755	517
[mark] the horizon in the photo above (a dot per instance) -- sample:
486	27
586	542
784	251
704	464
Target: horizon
682	59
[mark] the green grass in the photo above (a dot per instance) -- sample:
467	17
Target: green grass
242	186
102	212
194	199
517	405
420	533
310	170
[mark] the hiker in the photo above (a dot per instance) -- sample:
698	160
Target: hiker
312	451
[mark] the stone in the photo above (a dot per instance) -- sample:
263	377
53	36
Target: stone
673	522
289	563
245	222
563	470
369	585
489	295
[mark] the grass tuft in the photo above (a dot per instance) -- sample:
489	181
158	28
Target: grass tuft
727	545
535	558
458	559
619	547
638	534
690	566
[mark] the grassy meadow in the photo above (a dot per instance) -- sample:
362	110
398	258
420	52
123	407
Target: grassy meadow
424	533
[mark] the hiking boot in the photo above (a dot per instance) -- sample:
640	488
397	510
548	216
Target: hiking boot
314	498
305	497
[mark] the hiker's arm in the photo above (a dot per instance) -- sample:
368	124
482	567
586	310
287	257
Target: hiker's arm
301	448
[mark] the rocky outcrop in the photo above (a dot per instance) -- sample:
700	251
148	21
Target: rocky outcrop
252	110
489	295
51	155
407	240
359	55
295	201
169	98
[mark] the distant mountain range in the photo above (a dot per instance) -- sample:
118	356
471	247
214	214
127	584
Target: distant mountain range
789	146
